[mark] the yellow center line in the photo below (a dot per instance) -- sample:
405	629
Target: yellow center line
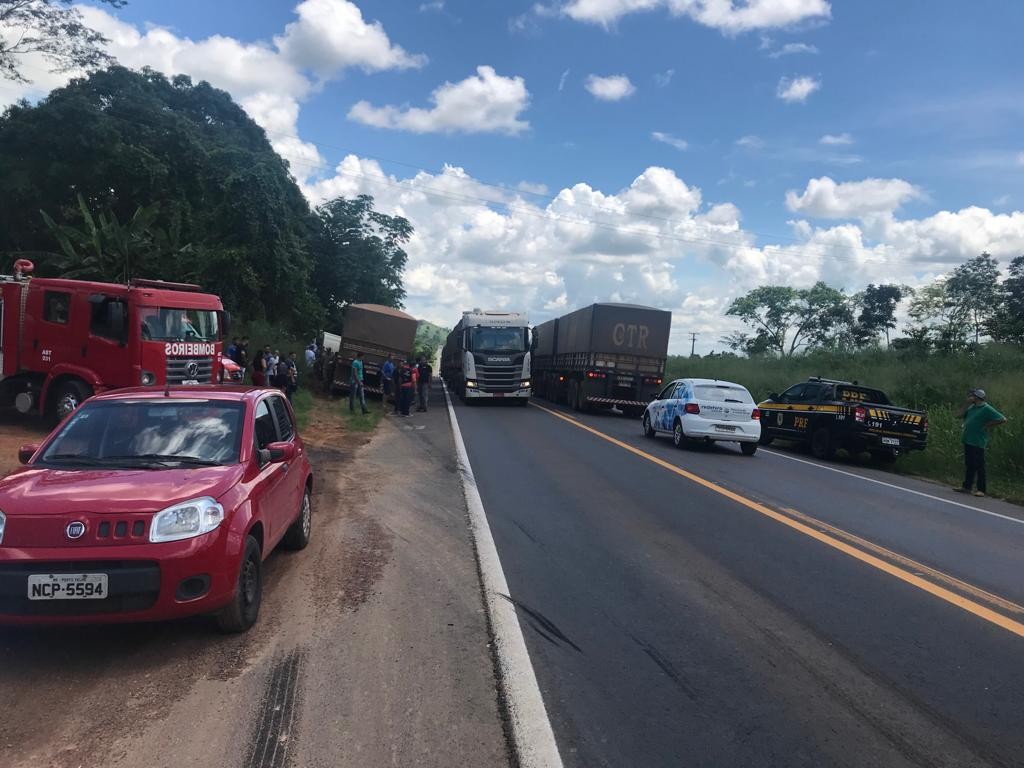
867	558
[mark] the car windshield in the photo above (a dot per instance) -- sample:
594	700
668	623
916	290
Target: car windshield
153	434
487	339
170	324
722	393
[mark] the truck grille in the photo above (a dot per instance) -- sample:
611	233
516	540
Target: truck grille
181	369
498	378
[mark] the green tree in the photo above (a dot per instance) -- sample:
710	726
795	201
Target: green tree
937	322
126	140
1008	324
786	320
53	29
877	312
359	256
973	293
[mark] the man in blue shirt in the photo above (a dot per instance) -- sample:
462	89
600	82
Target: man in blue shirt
387	378
355	385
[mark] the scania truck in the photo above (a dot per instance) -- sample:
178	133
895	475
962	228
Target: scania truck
62	341
487	356
603	356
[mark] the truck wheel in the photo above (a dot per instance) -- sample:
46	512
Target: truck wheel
765	438
570	397
648	429
749	449
821	444
70	394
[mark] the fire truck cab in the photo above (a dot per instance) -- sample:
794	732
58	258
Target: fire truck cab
62	341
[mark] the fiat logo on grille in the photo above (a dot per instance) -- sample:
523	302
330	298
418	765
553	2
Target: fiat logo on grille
75	530
192	367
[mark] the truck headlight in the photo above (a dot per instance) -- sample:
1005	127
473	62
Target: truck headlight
3	523
524	383
186	520
148	379
470	384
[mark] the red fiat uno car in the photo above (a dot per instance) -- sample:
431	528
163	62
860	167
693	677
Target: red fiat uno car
148	505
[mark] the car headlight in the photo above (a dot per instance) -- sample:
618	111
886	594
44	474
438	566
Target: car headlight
186	520
3	524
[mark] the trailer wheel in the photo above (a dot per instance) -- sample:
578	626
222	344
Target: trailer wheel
69	395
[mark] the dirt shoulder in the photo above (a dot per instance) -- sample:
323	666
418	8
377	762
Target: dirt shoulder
372	646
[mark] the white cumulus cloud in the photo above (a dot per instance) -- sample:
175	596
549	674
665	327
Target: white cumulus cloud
792	48
836	139
668	138
825	199
728	16
611	88
797	89
482	103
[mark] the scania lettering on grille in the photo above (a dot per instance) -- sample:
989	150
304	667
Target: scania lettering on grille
190	348
499	359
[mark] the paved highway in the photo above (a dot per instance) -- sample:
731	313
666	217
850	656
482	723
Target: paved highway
702	608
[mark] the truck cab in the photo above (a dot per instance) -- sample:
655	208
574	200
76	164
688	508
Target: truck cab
62	340
488	356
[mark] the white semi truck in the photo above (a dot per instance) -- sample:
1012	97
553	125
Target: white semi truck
487	356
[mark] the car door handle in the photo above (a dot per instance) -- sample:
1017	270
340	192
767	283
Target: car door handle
284	467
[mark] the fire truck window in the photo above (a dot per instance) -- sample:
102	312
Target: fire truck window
108	318
55	307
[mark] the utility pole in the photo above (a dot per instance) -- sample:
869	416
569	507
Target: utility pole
693	343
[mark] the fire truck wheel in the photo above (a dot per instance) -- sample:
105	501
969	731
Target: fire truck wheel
70	394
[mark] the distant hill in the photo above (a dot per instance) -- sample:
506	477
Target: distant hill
429	336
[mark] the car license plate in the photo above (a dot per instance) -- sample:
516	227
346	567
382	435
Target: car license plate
725	428
890	441
67	586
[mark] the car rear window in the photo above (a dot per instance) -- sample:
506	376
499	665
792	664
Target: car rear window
850	394
722	393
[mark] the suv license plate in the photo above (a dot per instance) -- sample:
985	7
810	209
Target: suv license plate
67	586
890	441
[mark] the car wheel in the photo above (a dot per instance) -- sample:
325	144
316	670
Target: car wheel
243	610
648	429
678	436
70	394
749	449
298	533
821	444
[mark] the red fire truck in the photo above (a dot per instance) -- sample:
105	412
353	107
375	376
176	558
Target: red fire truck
64	340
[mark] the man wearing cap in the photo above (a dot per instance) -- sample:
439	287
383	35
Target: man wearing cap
979	418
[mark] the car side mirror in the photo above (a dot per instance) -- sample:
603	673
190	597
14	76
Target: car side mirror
26	452
280	452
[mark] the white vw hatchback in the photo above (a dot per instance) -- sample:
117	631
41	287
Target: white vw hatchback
705	409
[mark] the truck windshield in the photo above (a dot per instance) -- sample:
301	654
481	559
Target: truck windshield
169	324
149	434
487	339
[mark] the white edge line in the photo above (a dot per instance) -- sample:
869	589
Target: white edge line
897	487
534	739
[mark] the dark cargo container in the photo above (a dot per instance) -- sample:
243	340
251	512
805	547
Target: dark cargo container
376	331
602	356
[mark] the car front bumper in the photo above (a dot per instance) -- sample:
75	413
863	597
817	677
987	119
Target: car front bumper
145	582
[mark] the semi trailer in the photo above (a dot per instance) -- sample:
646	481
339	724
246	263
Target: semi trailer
603	356
376	331
487	357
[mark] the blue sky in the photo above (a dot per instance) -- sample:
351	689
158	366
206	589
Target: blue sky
735	144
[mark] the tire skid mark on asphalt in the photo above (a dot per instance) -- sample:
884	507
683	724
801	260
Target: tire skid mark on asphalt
666	666
544	623
814	530
272	738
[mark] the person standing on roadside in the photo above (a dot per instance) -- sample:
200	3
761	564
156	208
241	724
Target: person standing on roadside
232	350
243	353
387	379
291	382
424	374
259	370
310	355
355	385
406	384
979	419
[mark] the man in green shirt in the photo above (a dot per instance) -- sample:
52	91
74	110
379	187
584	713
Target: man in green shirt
355	385
979	418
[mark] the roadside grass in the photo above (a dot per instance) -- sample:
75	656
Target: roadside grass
937	384
302	404
361	422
